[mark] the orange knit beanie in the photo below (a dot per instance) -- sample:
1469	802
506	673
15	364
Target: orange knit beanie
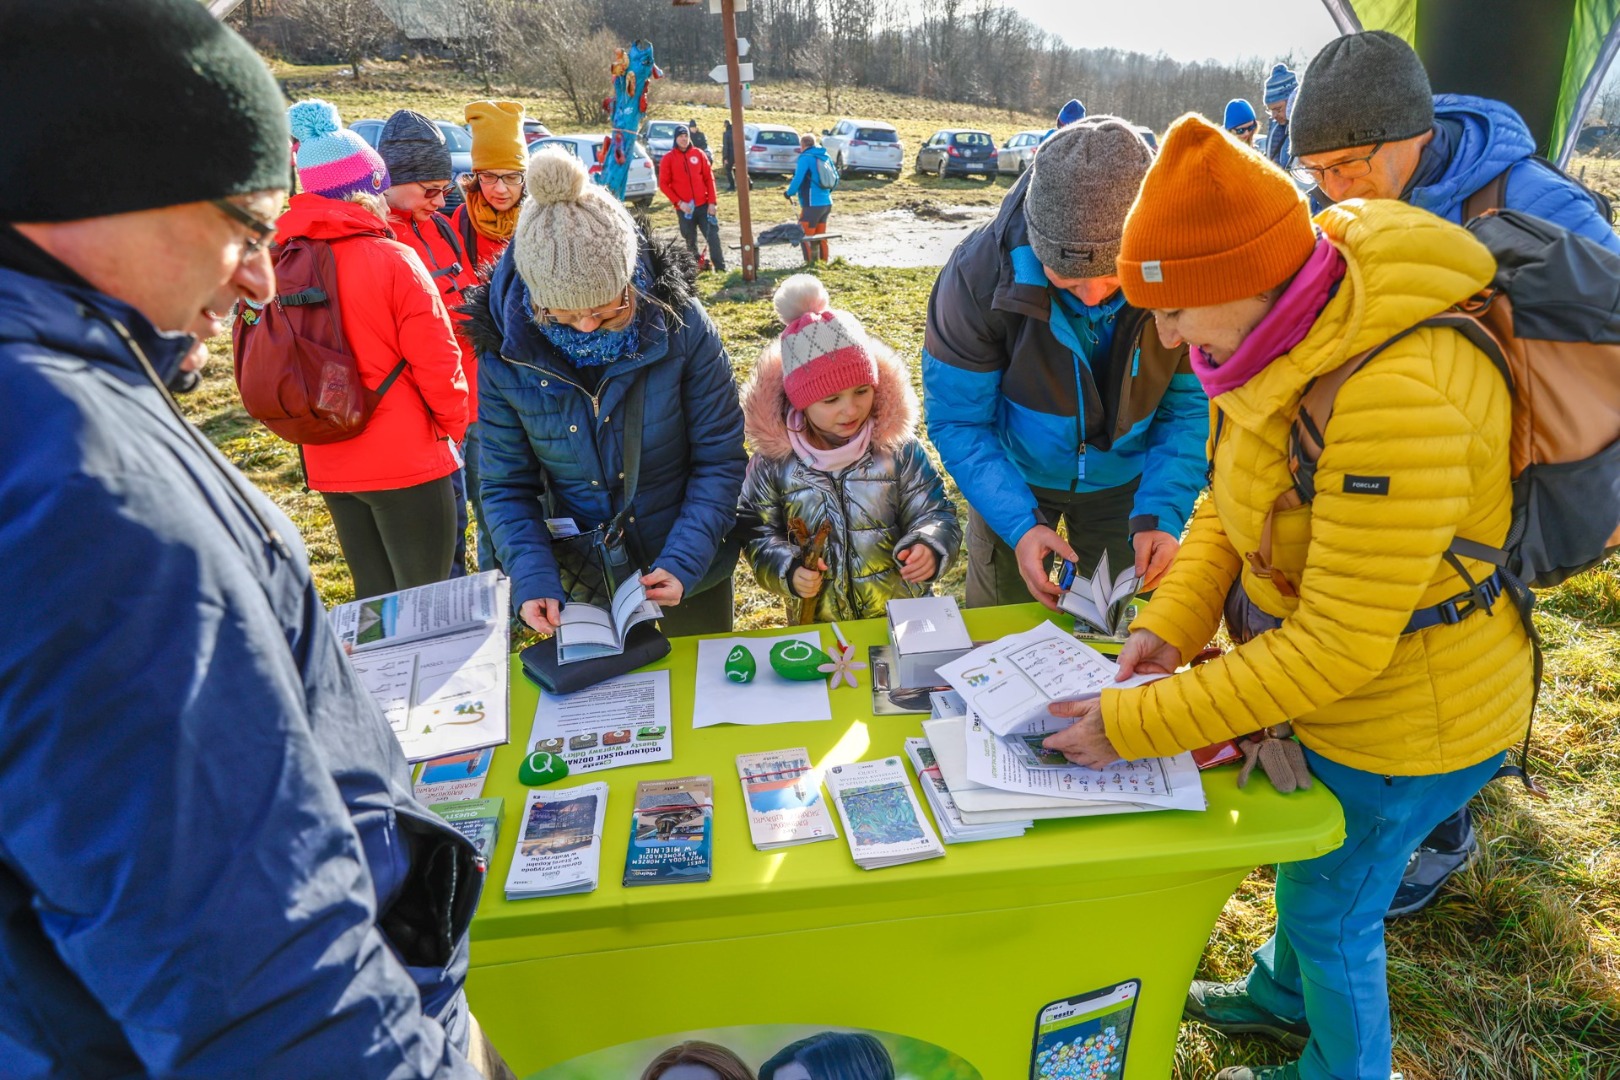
1214	222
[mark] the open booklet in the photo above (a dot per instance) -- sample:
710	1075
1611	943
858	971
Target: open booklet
587	631
429	611
1101	603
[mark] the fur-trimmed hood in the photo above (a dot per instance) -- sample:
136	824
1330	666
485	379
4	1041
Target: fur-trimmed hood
502	308
765	403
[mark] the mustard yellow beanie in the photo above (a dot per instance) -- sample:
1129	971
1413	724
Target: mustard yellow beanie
497	135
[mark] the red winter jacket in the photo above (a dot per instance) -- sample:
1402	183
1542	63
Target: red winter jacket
435	243
391	310
484	251
687	177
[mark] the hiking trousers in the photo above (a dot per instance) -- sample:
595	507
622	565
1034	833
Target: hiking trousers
396	539
702	220
813	220
1325	962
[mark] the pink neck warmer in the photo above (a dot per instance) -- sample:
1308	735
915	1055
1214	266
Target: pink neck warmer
835	460
1284	326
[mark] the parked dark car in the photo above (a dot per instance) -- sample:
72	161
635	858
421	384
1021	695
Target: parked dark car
959	152
456	138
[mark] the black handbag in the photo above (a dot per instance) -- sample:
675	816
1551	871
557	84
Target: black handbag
644	644
593	563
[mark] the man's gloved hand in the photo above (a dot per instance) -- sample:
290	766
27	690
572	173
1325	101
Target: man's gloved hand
1279	757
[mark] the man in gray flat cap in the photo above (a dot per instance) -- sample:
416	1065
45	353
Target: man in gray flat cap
1049	399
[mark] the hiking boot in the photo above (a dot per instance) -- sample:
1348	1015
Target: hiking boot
1426	871
1259	1072
1227	1007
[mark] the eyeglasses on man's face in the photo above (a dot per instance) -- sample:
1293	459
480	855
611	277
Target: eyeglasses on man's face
1348	169
264	233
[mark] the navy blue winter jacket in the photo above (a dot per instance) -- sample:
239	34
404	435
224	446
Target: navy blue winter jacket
211	864
545	435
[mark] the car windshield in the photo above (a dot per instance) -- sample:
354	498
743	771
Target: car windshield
878	135
971	138
561	144
777	138
457	139
662	129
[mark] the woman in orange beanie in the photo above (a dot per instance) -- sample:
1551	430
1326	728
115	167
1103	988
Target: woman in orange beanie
1331	589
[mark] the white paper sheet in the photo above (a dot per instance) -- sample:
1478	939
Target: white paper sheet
621	721
1013	763
769	699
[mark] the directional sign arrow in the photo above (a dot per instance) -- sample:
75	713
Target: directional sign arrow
742	46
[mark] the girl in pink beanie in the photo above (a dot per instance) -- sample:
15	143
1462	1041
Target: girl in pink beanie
832	418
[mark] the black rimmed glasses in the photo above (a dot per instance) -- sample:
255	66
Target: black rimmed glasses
1244	129
1348	169
501	179
264	233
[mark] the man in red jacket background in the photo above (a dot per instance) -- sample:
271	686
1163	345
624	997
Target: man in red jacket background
687	180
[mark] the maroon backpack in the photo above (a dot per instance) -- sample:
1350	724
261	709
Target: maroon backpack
293	366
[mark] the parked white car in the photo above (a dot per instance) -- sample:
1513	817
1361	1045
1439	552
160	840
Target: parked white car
858	146
772	149
1018	151
642	184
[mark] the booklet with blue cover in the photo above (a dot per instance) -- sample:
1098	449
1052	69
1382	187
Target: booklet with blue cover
479	820
672	832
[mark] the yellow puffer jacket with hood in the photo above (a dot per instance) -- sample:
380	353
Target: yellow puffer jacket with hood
1432	416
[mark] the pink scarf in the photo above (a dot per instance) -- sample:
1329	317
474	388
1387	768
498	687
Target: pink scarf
835	460
1284	326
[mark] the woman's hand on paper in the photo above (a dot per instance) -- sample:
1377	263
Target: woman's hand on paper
1146	653
541	615
1084	742
663	588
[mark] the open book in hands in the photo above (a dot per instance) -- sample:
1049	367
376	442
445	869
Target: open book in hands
1099	601
587	631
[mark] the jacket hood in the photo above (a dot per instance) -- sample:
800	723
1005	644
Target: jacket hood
1402	265
765	403
79	322
501	311
1493	136
317	217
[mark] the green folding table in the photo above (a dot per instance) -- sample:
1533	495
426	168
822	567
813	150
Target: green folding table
958	953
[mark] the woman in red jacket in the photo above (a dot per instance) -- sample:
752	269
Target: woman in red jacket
388	488
687	180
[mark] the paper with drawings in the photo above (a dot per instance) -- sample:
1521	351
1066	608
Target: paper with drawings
1016	762
769	699
1011	681
624	720
982	805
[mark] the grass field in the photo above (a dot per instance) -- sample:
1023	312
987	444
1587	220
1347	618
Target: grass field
1513	975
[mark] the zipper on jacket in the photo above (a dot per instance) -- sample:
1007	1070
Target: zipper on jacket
596	411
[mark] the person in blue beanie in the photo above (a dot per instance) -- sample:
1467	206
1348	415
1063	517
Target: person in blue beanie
1073	111
1241	121
1278	90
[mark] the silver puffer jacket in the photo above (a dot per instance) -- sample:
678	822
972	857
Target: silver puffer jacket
889	500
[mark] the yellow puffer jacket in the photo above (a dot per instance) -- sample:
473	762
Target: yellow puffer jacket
1432	415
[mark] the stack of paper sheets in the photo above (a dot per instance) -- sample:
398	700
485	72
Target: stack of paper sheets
559	849
952	829
782	795
882	821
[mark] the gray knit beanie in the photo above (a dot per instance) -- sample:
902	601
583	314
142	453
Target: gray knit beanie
1081	186
1361	89
412	146
575	244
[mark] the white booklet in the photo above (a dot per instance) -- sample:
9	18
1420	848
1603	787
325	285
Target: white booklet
953	830
782	795
428	611
587	631
1017	762
882	820
1099	601
559	844
1011	681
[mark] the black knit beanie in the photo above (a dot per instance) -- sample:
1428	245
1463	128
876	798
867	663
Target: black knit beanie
1360	89
412	146
114	106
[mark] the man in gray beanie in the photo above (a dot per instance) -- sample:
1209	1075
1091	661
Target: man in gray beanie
1048	398
211	863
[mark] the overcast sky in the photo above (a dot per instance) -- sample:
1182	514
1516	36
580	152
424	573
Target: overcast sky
1188	29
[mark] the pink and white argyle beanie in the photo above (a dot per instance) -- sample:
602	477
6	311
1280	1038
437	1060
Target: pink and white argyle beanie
824	350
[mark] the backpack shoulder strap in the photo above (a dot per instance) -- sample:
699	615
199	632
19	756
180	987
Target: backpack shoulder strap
469	236
1493	196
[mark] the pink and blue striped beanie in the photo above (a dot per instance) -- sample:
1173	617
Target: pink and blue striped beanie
332	160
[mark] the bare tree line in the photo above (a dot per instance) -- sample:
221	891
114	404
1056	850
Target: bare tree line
975	51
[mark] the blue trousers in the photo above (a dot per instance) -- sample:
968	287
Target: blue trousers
469	453
1325	961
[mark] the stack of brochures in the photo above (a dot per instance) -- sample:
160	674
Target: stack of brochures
882	821
782	795
952	829
671	832
560	846
479	820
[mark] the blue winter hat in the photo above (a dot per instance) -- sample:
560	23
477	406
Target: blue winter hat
1071	112
1279	84
1238	113
332	160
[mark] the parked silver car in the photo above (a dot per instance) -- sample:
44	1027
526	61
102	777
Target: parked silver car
772	149
642	184
660	138
857	146
1018	151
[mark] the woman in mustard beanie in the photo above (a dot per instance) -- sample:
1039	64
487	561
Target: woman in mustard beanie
492	192
1332	592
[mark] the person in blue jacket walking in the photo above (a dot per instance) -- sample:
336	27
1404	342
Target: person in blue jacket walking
1049	398
211	862
581	308
815	198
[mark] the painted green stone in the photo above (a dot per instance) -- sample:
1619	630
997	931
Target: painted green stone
798	660
542	768
740	666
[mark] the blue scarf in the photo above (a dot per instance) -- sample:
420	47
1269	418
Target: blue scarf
598	348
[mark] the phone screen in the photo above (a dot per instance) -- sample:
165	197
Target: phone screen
1085	1037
